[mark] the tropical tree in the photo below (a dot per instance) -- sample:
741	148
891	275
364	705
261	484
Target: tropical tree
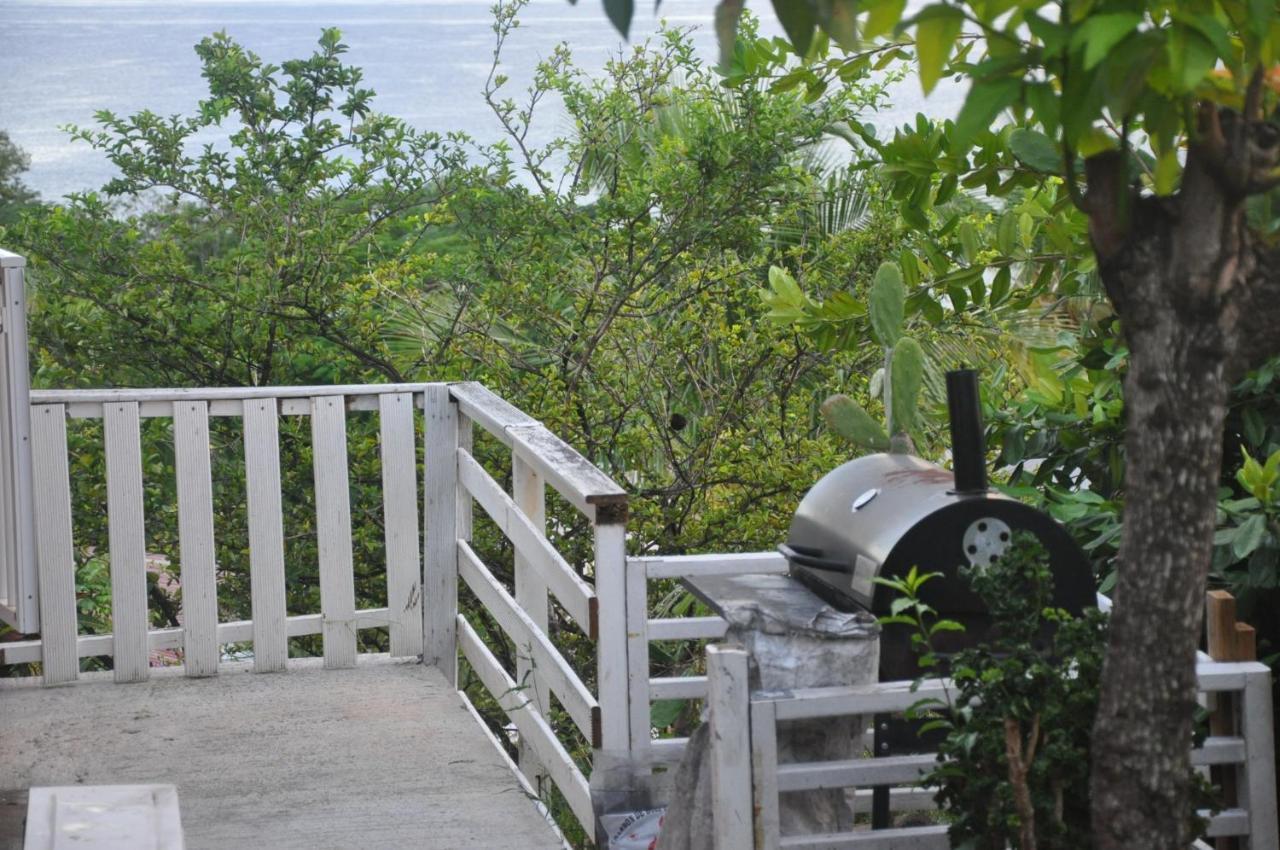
1154	120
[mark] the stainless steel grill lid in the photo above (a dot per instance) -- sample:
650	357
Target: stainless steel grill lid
882	514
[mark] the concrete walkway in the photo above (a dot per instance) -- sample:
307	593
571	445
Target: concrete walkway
382	756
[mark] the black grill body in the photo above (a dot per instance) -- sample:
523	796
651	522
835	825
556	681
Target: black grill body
880	515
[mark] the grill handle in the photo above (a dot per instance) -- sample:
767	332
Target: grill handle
806	556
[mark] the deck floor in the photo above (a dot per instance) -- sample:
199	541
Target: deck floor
382	756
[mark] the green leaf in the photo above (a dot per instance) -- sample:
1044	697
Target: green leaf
1167	171
883	17
1191	57
937	29
1035	150
1000	286
1100	33
888	299
969	241
798	21
1249	536
847	418
665	712
906	375
985	101
620	12
839	20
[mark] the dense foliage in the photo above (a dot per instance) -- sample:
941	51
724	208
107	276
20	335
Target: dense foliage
1151	125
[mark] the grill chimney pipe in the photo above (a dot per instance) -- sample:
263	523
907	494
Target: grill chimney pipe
968	445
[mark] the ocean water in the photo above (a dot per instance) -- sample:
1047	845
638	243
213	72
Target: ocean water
62	60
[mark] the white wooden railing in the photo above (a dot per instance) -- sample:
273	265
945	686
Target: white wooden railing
597	608
201	636
19	606
423	615
747	775
643	630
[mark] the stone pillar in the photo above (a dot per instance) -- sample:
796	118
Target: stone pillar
795	641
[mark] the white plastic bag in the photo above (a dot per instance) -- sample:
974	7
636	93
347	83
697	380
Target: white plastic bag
633	830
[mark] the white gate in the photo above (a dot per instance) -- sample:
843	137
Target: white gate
19	603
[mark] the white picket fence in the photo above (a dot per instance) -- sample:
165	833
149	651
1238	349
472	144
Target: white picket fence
748	777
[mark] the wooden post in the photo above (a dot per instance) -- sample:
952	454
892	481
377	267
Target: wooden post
728	702
1227	640
611	637
441	532
529	492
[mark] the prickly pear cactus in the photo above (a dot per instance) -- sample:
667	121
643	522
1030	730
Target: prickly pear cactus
898	382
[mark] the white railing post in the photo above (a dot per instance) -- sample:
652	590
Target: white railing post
441	530
529	492
611	635
1259	769
59	654
728	705
638	658
19	577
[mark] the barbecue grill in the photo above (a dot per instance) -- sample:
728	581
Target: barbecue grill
880	515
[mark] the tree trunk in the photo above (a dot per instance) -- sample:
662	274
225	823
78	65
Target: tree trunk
1171	268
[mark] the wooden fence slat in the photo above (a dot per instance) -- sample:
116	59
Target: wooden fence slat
533	728
333	530
266	535
613	669
728	707
687	628
1258	776
531	642
201	650
55	551
441	531
706	566
574	593
400	521
764	776
638	637
126	542
237	631
529	493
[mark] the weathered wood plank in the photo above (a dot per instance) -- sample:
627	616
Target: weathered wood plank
266	535
533	728
728	709
237	631
529	492
853	773
638	637
400	521
126	542
333	530
195	535
718	564
613	670
688	628
441	531
1258	778
113	396
572	475
574	593
904	838
22	590
56	553
532	642
678	687
764	776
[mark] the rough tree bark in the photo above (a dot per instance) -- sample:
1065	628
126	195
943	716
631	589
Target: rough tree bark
1193	294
